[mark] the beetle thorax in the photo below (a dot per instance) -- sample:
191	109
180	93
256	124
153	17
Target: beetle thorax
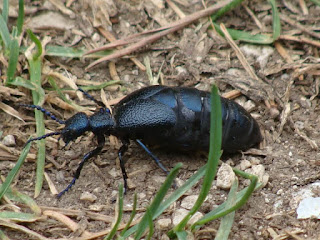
101	122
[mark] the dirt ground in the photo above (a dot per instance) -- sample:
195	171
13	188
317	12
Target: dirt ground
284	100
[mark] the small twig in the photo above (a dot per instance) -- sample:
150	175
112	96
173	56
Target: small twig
22	229
303	28
283	52
109	36
300	39
303	6
169	29
73	226
175	8
253	16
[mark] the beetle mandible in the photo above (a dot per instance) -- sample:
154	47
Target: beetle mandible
169	117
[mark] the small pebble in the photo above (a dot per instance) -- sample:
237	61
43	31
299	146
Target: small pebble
9	141
86	196
96	208
164	223
244	164
189	201
178	215
196	217
225	176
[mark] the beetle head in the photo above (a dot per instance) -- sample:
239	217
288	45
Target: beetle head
75	126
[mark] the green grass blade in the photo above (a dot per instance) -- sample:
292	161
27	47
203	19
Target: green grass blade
276	25
317	2
13	60
132	215
157	200
35	62
11	175
19	216
242	198
227	221
60	51
150	222
120	213
62	96
20	19
226	8
19	81
4	32
173	197
182	235
213	160
3	236
101	86
37	55
5	10
245	36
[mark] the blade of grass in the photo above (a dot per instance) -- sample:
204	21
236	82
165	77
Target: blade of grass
100	86
213	160
226	9
20	19
19	216
5	35
3	236
132	215
182	235
19	81
5	10
222	211
317	2
157	200
13	60
227	221
11	175
60	51
276	26
245	36
173	197
120	212
62	96
35	62
151	227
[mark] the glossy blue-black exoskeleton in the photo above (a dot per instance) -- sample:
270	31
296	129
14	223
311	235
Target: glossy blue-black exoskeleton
169	117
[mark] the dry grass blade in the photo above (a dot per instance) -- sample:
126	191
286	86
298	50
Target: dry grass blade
73	226
11	111
172	28
297	25
300	40
22	229
239	54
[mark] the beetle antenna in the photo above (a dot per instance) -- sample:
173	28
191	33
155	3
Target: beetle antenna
42	137
46	112
91	97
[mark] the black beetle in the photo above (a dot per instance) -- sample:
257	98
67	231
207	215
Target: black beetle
170	117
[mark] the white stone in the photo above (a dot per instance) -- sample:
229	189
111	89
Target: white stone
225	176
244	164
164	223
9	141
178	215
86	196
309	208
196	217
189	201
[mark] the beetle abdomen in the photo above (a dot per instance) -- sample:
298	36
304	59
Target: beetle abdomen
179	118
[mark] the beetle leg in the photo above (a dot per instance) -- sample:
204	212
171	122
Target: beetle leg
94	152
121	152
153	156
